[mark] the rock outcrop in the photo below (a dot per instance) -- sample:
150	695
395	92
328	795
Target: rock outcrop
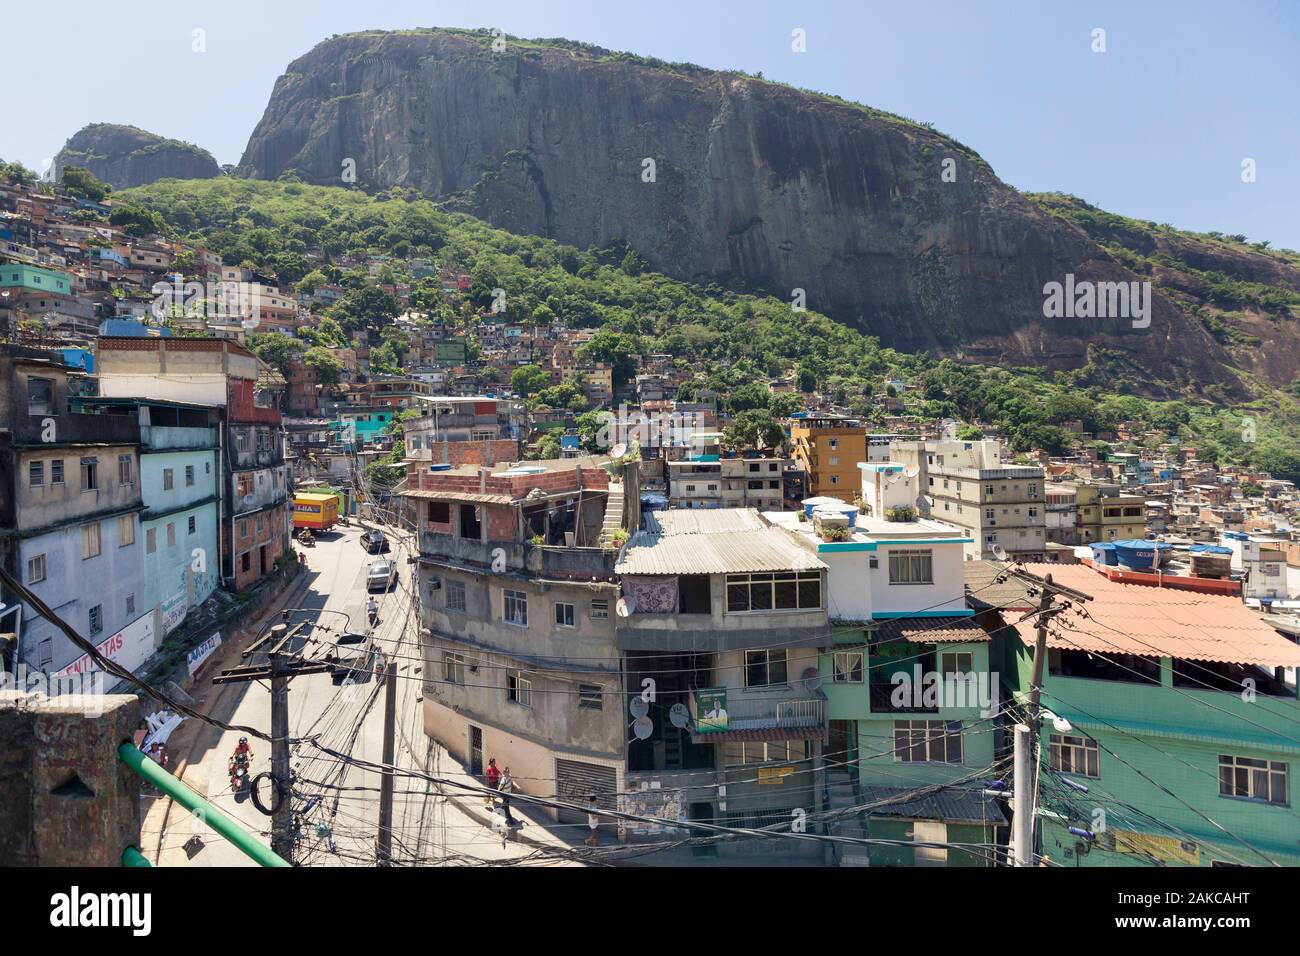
124	156
713	176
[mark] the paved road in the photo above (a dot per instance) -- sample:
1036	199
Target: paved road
337	802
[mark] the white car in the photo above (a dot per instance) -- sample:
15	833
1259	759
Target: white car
381	576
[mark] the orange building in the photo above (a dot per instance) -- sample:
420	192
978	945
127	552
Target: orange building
828	449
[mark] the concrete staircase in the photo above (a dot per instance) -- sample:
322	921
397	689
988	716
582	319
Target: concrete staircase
613	515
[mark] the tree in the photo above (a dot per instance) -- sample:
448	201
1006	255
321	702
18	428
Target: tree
754	428
527	380
749	396
328	369
785	404
969	433
275	349
136	219
80	182
366	307
613	349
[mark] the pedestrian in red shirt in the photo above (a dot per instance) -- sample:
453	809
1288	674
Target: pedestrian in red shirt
493	778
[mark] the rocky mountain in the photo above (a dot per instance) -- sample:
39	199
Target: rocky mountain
125	156
716	176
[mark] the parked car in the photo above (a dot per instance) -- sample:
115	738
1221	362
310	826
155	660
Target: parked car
352	656
374	542
381	576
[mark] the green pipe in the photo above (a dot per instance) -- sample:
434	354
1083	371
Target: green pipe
132	856
244	841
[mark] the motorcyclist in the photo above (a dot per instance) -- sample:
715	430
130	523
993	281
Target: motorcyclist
372	609
242	752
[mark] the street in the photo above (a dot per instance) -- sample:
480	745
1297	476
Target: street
336	802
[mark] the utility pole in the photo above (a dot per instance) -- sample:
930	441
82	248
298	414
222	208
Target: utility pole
1025	752
282	664
384	849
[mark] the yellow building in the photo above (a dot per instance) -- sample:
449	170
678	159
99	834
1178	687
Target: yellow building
828	449
1105	515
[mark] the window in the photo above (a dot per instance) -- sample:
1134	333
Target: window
439	512
848	667
89	474
453	668
516	608
56	471
1245	778
46	652
589	697
150	540
191	525
36	569
130	605
124	470
171	534
90	541
564	614
600	610
167	479
189	475
927	741
455	595
911	567
956	662
96	619
774	591
35	474
1077	755
125	531
519	689
766	667
835	479
40	396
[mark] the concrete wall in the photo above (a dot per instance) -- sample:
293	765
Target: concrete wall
65	799
49	504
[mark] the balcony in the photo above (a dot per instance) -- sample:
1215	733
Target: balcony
799	716
545	561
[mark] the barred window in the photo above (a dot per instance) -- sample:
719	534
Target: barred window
589	697
1078	755
927	741
780	591
911	567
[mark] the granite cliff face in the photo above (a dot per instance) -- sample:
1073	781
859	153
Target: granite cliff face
124	156
755	185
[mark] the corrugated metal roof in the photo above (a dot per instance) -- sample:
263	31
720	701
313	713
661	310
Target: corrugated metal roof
1160	622
712	541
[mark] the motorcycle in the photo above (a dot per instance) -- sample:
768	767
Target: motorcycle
372	614
307	540
238	768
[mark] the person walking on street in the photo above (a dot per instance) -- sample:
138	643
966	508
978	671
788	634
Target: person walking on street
506	786
593	820
493	780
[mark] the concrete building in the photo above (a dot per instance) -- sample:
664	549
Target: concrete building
517	620
70	507
828	449
1104	514
725	616
257	485
726	480
180	477
999	505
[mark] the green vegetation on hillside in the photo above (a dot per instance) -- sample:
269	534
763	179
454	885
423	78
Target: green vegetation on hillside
736	342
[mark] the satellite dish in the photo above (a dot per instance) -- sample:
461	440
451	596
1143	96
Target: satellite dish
638	707
679	715
618	451
643	727
812	678
999	552
625	606
912	471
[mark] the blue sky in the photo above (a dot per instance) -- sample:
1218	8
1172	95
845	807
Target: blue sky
1156	127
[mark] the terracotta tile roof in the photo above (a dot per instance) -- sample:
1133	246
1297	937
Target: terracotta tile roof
1160	622
811	732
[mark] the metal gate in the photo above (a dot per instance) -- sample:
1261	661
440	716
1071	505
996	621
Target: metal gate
575	782
475	751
